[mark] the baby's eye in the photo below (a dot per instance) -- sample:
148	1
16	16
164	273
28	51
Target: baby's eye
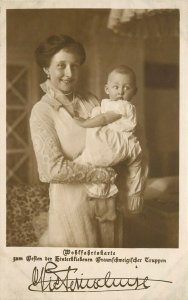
115	87
126	87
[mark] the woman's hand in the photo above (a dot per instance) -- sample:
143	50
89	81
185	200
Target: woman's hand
101	175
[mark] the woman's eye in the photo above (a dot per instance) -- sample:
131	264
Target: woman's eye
75	67
61	66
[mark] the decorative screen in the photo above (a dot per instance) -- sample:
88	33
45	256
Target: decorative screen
17	124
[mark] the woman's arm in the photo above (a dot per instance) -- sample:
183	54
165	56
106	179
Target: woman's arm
100	120
52	165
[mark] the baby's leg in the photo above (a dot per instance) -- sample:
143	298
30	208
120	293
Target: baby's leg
136	177
105	209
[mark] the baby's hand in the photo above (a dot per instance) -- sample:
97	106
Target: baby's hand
79	121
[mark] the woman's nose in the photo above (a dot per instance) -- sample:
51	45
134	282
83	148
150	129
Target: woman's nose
68	71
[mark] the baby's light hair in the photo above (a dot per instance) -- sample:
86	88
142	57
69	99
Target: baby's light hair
123	69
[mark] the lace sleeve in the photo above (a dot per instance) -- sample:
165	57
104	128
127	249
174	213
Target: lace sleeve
52	165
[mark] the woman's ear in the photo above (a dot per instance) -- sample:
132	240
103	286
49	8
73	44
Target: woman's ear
106	89
46	70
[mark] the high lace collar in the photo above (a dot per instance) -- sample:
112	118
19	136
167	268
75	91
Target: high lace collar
56	98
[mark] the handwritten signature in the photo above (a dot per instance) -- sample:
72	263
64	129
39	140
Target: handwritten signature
52	279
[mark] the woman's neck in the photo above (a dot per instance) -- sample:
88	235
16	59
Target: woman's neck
69	96
67	93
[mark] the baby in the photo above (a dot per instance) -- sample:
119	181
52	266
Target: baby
110	139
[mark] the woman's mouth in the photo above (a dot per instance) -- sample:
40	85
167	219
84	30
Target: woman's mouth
66	81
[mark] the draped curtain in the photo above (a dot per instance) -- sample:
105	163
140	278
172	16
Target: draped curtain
144	23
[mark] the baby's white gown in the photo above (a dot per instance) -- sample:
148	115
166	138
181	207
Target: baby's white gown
110	144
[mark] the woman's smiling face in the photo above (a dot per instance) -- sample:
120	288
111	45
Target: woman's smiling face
64	70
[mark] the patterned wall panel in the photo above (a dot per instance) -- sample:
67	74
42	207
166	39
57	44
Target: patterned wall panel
17	124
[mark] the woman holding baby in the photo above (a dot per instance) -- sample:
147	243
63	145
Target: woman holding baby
76	219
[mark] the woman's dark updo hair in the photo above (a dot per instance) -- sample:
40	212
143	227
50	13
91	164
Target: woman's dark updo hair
53	44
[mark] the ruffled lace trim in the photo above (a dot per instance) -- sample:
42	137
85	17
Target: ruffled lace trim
101	190
135	203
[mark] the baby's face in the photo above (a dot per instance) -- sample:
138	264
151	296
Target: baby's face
120	86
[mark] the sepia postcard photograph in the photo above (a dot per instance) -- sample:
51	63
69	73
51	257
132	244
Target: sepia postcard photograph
93	157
